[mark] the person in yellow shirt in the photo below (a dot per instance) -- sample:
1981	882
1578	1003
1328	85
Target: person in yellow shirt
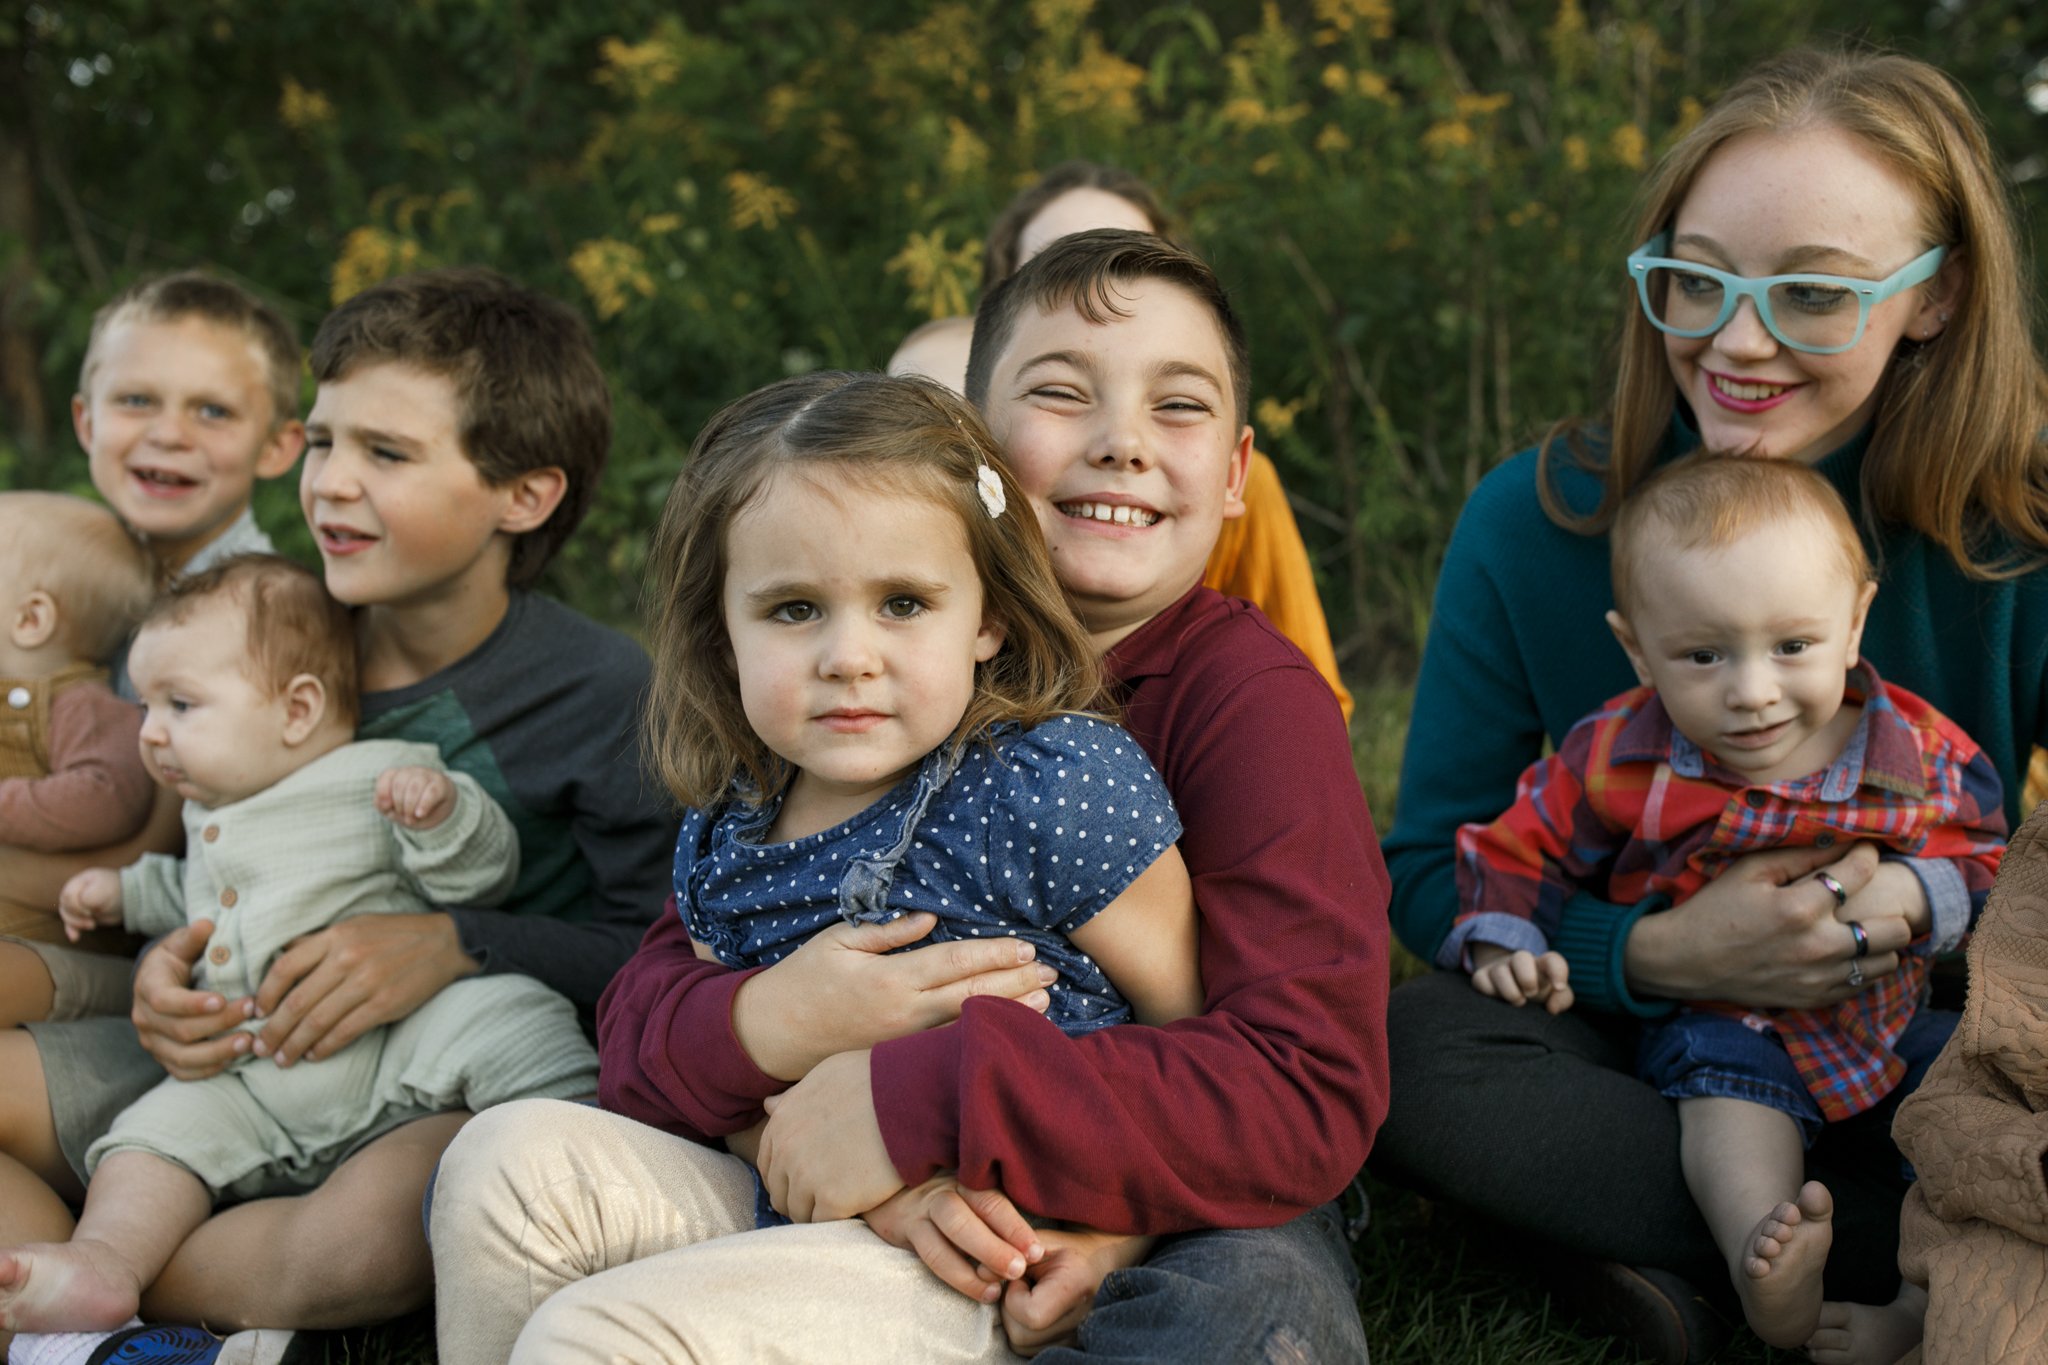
1260	556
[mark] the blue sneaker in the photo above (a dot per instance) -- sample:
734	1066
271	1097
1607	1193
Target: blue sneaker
157	1346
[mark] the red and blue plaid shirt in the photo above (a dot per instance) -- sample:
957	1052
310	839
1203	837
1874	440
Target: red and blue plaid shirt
1629	808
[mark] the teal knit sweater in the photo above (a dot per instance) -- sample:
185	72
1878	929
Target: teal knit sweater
1519	650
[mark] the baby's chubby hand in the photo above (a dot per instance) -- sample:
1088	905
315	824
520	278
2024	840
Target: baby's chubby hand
1521	977
418	798
89	900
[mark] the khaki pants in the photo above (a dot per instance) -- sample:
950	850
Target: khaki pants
565	1234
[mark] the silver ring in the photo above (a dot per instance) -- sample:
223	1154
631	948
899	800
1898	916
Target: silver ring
1862	939
1834	888
1855	972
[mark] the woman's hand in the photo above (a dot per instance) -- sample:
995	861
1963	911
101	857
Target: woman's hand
1892	892
192	1034
1047	1306
844	991
331	987
1764	933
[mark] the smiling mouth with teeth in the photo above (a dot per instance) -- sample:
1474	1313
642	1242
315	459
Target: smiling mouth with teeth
1749	393
164	478
1119	514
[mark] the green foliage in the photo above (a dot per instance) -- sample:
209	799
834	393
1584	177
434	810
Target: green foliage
1418	203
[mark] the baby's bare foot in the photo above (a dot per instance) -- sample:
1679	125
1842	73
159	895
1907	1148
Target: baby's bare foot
1869	1334
65	1287
1779	1280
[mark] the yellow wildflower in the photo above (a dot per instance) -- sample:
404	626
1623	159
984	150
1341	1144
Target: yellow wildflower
1627	145
757	201
640	69
301	108
1443	137
1060	17
1246	111
1266	164
938	278
370	254
966	155
1374	86
1475	106
1276	418
1374	17
782	102
1689	112
1099	83
661	224
1332	139
1336	78
608	270
1576	154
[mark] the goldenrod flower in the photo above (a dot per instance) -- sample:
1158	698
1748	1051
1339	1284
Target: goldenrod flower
1340	17
1332	139
641	68
1577	156
1443	137
757	201
938	278
1627	145
1100	83
370	254
660	224
301	108
608	270
966	155
1276	418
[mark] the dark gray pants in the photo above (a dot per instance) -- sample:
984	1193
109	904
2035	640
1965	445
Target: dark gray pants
1538	1122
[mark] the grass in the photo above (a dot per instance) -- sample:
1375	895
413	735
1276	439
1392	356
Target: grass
1435	1283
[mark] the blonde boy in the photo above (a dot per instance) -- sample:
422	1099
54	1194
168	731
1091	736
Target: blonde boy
189	394
73	583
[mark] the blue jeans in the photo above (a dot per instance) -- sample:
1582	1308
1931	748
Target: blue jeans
1286	1294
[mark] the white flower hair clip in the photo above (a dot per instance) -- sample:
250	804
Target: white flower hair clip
989	484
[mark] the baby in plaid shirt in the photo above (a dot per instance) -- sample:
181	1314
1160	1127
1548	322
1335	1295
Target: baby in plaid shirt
1741	588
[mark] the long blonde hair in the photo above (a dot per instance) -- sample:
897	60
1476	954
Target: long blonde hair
904	434
1956	448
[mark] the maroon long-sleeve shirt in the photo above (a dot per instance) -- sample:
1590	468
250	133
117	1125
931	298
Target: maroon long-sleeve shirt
1262	1106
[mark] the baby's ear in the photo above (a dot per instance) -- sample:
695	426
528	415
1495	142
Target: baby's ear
34	621
1626	635
1864	596
305	706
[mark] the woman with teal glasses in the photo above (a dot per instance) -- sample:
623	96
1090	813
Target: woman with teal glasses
1829	273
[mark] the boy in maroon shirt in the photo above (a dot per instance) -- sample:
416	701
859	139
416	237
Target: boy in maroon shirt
1114	373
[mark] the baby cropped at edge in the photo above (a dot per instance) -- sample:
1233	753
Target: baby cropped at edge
247	673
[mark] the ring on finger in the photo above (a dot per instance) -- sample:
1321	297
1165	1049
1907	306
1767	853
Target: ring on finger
1862	939
1834	888
1855	972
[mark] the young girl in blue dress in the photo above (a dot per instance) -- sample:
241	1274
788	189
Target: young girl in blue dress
869	691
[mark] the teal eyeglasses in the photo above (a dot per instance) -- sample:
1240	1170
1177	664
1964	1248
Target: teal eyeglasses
1818	314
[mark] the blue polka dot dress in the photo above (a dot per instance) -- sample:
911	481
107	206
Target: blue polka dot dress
1028	837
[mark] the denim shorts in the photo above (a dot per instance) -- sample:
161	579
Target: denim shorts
1698	1053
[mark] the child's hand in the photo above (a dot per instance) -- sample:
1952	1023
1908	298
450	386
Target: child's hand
418	798
974	1240
89	900
1521	977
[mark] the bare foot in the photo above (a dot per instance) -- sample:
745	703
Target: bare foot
65	1287
1779	1280
1869	1334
